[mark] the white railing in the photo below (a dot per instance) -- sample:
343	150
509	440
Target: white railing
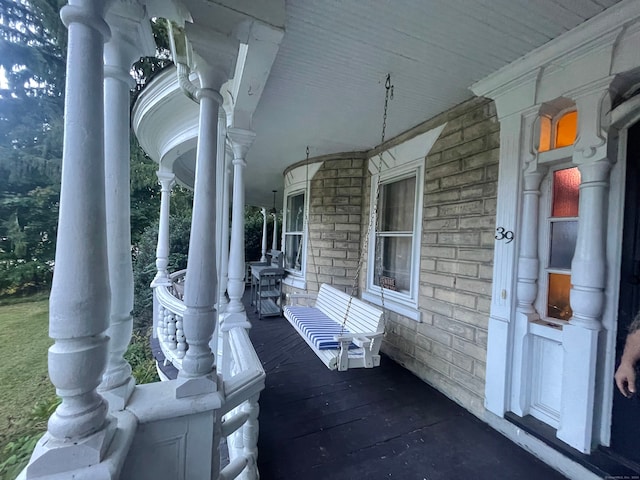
243	378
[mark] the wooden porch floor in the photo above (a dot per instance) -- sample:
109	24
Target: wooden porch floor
368	424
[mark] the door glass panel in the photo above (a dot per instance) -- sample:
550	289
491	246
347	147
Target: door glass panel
563	243
558	303
566	185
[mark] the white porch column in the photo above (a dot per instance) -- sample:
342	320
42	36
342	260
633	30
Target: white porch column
223	201
274	243
79	430
241	140
263	258
120	53
588	277
166	181
198	374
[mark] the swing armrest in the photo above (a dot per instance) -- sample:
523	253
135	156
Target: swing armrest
362	340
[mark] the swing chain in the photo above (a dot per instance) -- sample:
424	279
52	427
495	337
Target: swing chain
374	215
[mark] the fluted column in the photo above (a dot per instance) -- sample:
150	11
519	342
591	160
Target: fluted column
588	277
166	181
80	431
241	140
120	53
198	374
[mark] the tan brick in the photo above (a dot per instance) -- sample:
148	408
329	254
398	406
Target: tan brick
435	198
455	297
441	224
464	149
436	306
466	238
451	140
478	222
442	351
463	361
477	254
469	381
460	268
440	252
480	129
444	169
456	328
432	361
434	333
480	369
478	352
481	287
471	317
463	208
465	178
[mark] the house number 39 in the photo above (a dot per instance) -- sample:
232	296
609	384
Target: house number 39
504	234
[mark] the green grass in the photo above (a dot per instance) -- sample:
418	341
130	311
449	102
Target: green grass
24	341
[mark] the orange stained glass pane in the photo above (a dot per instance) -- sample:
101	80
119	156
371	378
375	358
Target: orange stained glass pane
566	129
566	192
545	134
558	298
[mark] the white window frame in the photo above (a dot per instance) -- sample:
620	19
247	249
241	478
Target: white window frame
302	233
544	243
399	302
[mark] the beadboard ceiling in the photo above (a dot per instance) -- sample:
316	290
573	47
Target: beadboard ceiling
326	87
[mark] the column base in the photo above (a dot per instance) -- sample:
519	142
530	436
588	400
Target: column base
234	319
52	456
118	397
189	387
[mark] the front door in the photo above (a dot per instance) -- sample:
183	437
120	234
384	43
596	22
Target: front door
625	427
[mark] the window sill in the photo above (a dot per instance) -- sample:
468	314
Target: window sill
295	281
405	309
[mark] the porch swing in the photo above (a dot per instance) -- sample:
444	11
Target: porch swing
343	331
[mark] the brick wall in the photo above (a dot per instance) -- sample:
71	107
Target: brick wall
335	209
448	349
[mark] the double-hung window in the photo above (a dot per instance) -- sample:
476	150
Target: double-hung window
294	232
394	242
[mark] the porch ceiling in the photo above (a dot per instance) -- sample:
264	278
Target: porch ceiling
326	87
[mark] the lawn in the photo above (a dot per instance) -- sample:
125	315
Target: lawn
24	381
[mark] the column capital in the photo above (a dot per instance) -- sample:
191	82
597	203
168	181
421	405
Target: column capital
241	141
166	179
90	14
131	38
592	104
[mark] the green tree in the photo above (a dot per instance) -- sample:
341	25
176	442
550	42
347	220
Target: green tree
33	45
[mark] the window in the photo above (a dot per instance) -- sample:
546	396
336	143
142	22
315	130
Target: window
562	228
394	253
294	232
558	131
396	208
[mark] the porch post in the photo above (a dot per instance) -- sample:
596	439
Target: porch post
274	243
223	196
588	276
263	258
198	374
241	141
166	180
120	53
80	430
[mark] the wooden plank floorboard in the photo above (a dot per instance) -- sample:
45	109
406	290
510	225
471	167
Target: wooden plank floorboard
368	423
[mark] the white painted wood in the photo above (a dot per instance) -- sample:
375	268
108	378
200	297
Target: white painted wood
241	140
130	29
198	374
546	360
166	181
263	257
364	322
79	432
